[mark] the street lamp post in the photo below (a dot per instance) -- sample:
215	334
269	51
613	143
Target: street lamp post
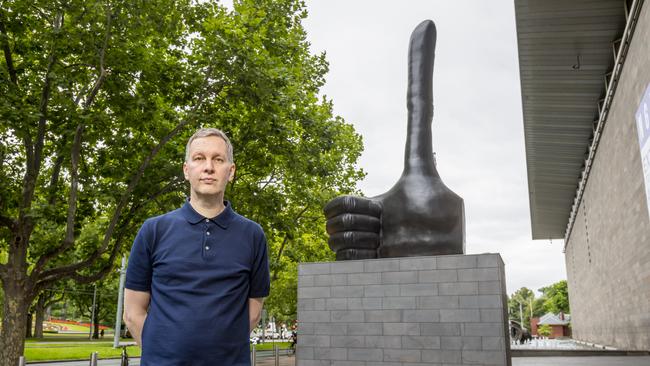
120	302
92	313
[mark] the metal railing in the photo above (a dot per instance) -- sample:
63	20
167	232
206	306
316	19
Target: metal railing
124	361
94	358
276	355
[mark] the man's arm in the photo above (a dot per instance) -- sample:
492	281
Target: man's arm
255	311
136	304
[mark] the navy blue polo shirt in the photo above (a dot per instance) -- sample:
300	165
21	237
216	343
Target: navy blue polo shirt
200	273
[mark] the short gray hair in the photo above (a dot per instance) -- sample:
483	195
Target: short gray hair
206	132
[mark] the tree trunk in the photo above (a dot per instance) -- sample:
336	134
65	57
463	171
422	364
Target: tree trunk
28	325
14	322
95	321
95	327
40	316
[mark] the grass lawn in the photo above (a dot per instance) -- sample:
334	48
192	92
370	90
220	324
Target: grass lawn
61	347
70	350
71	337
269	346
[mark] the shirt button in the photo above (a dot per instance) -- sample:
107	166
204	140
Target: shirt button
207	247
207	220
207	233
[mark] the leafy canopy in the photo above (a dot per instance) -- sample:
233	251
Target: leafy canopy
554	299
97	100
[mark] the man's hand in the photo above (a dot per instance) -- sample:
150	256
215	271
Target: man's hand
254	311
136	304
419	215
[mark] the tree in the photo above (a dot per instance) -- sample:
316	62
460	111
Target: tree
98	97
544	330
520	306
309	247
44	300
556	298
105	301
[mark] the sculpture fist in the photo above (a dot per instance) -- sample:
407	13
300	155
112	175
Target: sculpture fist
419	215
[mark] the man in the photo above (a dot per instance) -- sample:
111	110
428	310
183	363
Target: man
198	275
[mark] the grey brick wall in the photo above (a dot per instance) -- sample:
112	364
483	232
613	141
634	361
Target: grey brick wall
608	250
447	310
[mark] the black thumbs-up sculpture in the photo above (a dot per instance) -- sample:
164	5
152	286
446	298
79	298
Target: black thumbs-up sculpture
419	216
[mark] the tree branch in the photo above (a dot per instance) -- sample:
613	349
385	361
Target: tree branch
56	171
277	267
166	189
271	180
135	179
80	95
70	271
34	152
74	185
284	242
7	222
49	276
69	239
45	99
68	66
102	70
54	300
7	51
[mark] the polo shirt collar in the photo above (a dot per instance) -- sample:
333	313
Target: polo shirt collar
222	219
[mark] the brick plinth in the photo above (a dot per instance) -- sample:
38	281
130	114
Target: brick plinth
443	310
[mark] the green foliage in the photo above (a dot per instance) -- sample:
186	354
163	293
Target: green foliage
556	298
105	300
544	330
97	100
538	307
309	247
520	303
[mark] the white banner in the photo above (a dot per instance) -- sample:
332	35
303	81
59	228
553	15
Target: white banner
643	129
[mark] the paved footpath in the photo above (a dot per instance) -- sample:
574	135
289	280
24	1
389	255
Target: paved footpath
529	361
582	361
516	361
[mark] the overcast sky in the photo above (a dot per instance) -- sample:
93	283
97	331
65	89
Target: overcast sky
477	123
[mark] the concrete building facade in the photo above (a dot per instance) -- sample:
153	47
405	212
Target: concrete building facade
604	221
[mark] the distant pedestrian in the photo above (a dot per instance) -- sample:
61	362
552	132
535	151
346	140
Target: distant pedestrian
101	333
292	342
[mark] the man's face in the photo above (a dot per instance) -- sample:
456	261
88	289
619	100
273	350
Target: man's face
208	169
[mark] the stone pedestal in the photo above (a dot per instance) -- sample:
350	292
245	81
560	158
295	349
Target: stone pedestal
439	310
